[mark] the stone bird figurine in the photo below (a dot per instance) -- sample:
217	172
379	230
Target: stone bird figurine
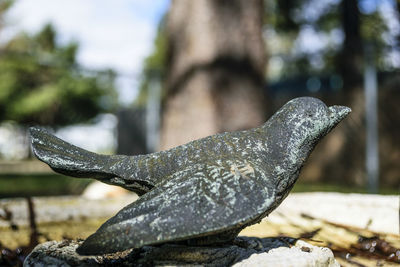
202	192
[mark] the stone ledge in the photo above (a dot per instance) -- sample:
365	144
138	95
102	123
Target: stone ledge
246	251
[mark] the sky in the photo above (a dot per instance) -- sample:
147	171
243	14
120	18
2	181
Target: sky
112	34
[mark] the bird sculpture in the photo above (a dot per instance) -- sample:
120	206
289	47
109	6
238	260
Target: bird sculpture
203	192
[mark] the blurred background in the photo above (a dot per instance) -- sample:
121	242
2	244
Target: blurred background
133	77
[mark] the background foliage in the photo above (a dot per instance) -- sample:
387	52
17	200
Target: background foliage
41	82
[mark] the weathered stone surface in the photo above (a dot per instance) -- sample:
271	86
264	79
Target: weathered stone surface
302	254
246	252
206	191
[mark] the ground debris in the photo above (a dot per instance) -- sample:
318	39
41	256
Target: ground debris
16	257
374	247
378	248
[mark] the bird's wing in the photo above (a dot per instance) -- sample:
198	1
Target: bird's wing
201	200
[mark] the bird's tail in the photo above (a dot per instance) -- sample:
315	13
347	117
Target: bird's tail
68	159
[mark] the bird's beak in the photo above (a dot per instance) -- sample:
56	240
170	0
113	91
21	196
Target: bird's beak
337	114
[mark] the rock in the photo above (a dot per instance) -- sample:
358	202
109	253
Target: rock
246	251
302	254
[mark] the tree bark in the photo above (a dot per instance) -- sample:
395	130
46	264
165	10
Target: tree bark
215	75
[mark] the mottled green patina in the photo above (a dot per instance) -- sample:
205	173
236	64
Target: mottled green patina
202	192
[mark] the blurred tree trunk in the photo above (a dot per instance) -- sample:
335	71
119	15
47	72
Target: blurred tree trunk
352	152
345	146
215	74
131	131
398	17
351	56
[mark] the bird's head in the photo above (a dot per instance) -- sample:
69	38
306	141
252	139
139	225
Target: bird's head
294	131
310	118
305	120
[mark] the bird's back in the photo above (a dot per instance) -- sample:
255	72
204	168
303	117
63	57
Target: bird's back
246	145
